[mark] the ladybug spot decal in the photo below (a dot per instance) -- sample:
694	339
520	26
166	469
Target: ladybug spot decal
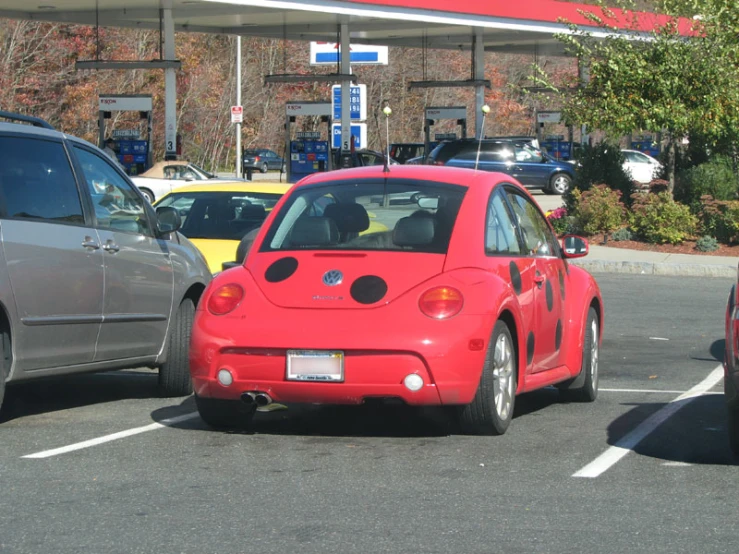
530	348
558	335
515	277
368	289
281	269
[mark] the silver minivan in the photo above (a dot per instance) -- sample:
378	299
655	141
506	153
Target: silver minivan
91	277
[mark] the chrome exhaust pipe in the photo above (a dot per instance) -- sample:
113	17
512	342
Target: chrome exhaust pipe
262	399
249	398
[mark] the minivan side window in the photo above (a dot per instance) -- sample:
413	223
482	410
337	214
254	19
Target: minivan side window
117	206
39	184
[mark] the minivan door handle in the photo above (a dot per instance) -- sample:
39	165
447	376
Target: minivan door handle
89	242
110	246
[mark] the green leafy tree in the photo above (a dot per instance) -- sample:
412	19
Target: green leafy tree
678	80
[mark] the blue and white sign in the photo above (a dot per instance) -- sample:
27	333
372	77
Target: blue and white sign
357	102
323	53
358	131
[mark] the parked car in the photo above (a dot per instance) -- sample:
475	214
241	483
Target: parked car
216	217
262	160
362	158
465	301
92	278
516	156
164	177
641	167
404	151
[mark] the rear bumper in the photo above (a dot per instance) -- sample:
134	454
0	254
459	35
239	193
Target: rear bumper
378	357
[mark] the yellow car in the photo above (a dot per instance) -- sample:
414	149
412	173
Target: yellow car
216	216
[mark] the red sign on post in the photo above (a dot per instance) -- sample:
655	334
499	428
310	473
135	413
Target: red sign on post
237	114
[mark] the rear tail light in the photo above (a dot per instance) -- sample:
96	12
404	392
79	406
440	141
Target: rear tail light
441	302
225	299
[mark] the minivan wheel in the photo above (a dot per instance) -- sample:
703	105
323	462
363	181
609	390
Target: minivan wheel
560	183
174	374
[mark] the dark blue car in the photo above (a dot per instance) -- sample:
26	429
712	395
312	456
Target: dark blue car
518	157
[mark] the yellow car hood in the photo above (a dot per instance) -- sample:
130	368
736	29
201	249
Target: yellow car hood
217	251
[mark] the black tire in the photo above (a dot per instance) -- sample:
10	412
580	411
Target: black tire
148	195
584	388
174	374
732	429
264	168
224	414
491	410
559	184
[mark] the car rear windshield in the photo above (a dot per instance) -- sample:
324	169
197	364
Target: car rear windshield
407	215
220	215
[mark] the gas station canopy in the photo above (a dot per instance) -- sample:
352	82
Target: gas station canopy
515	27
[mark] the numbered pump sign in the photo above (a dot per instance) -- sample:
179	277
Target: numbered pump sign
357	102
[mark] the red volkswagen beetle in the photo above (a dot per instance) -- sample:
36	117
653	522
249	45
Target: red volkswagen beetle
437	286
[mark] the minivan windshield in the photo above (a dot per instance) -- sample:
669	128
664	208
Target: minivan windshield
404	215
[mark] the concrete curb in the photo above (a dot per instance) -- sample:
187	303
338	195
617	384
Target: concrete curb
652	268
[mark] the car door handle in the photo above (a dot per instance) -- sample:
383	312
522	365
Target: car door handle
539	280
110	246
90	243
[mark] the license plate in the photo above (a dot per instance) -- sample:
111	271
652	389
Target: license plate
315	365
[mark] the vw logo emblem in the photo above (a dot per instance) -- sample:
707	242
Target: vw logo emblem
332	278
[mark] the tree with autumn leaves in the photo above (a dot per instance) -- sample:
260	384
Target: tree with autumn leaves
38	77
683	85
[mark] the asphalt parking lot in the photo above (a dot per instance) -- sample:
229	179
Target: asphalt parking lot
98	463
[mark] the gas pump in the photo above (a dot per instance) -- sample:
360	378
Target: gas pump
435	113
309	153
132	150
645	143
558	146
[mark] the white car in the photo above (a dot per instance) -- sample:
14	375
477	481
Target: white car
163	177
641	167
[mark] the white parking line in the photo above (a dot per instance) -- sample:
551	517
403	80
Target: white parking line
112	437
611	456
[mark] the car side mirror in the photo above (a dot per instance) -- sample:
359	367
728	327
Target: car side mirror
574	246
168	220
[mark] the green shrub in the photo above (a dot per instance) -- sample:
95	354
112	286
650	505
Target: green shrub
706	244
715	178
657	218
624	233
720	219
598	210
601	163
